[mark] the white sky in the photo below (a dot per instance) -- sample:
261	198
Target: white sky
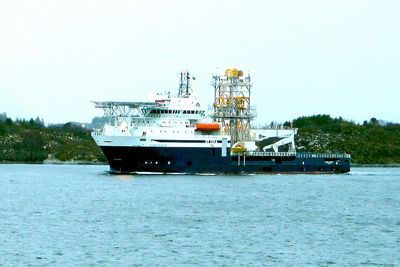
305	57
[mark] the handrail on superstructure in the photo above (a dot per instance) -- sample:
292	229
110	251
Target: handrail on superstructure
125	109
107	104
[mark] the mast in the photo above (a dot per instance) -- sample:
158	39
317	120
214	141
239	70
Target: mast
184	85
232	103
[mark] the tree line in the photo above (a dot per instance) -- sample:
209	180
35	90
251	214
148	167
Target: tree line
372	142
31	141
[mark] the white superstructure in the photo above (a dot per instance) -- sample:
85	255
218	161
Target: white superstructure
169	120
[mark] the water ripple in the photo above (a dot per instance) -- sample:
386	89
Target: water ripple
80	215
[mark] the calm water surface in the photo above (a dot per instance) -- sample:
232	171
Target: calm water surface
79	215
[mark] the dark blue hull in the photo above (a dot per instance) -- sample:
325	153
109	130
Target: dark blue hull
210	160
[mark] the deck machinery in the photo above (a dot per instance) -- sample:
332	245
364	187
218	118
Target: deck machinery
232	104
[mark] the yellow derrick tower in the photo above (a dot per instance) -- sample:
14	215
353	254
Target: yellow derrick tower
232	104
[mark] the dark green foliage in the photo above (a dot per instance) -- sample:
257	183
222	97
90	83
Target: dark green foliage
2	128
31	147
31	141
373	142
98	122
324	122
8	121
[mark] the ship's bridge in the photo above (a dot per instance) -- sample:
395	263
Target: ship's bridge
164	109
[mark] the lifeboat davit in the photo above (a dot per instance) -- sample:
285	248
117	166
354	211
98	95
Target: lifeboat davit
208	126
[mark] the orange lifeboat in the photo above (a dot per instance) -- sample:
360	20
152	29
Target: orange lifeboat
208	126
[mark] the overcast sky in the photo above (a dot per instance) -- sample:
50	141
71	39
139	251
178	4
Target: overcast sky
305	57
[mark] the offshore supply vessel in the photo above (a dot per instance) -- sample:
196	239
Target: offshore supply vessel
174	134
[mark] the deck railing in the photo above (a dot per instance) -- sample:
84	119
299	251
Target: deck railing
269	154
323	155
293	154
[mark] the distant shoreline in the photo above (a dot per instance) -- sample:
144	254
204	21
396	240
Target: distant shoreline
55	162
391	165
77	162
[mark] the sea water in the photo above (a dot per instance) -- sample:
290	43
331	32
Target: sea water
65	215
